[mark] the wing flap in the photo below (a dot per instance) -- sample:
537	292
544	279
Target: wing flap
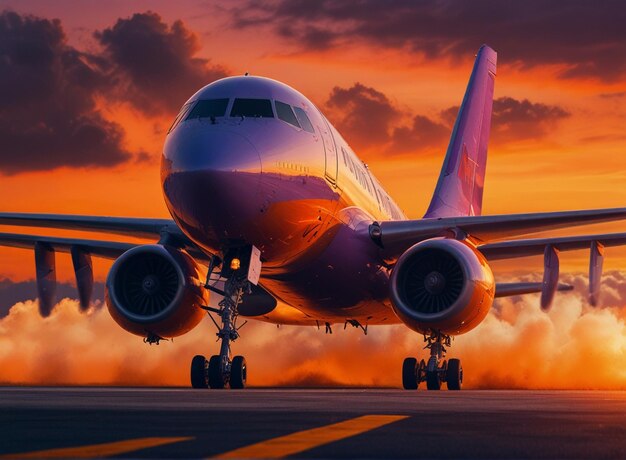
511	289
536	246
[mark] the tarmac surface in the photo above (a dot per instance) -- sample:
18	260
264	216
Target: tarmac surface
334	423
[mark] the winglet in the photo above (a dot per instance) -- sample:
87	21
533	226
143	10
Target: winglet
459	191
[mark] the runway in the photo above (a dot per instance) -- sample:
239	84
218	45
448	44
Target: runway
334	423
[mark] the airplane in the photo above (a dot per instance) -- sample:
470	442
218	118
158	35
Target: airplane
276	219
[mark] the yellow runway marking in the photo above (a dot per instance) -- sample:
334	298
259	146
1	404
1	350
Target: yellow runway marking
97	450
308	439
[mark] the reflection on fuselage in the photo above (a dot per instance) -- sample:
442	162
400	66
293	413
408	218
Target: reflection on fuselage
250	159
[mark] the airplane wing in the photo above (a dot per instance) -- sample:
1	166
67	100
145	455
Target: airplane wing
395	237
104	249
127	226
164	231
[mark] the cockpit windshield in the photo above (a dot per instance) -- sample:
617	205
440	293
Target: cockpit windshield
252	108
303	119
285	113
181	115
209	108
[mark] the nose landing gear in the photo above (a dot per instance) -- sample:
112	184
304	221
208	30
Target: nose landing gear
437	370
220	370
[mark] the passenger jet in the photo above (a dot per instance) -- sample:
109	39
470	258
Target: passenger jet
277	219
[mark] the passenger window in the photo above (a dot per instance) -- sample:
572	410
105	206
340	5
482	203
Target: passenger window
209	108
284	112
252	108
303	119
183	111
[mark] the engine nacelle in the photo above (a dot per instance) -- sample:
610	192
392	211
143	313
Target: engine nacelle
442	284
155	291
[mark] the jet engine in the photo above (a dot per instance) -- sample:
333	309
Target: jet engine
156	292
442	284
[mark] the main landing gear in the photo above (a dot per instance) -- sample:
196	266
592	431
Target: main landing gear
436	371
220	370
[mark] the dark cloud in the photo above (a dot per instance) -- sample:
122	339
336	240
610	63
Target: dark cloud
362	114
309	36
48	116
514	120
48	89
370	121
13	292
422	134
602	138
155	65
616	95
587	39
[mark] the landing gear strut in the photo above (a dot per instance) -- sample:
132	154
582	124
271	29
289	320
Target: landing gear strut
437	370
220	370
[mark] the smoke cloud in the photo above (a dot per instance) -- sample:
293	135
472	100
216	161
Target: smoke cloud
573	346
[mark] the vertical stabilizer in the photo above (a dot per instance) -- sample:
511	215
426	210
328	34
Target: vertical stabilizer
459	191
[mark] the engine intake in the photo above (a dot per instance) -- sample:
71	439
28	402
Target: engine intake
442	284
154	290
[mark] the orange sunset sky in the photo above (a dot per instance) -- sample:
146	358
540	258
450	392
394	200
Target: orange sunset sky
558	136
89	88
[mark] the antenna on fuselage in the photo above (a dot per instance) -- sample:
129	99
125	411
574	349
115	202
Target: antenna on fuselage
246	74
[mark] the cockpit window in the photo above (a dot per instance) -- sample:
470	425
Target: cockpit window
209	108
183	111
285	113
303	119
252	108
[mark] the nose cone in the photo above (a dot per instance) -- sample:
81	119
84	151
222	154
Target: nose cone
210	148
211	180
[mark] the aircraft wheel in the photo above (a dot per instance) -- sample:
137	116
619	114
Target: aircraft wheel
409	374
432	380
454	374
216	377
199	372
238	373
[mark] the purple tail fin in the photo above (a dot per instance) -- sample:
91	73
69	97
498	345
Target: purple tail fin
459	191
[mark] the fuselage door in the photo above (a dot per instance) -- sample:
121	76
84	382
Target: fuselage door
330	150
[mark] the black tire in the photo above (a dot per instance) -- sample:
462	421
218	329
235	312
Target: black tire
409	374
216	378
432	380
454	374
199	372
238	373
